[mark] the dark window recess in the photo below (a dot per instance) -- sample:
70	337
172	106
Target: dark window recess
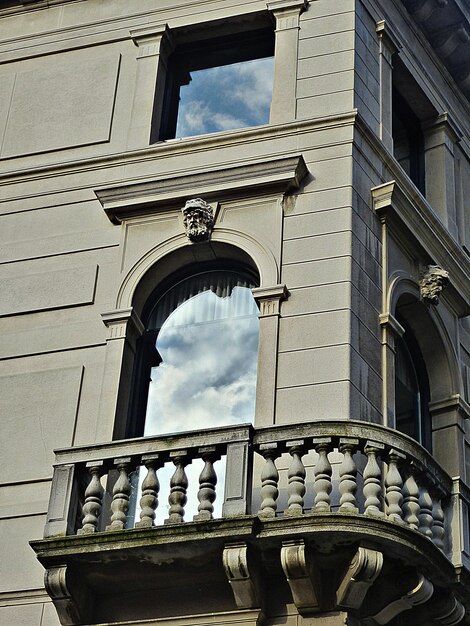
412	391
408	140
218	84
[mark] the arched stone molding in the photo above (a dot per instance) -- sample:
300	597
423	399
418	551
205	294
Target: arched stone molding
125	325
258	251
430	332
447	406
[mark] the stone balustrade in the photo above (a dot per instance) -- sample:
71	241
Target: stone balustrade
332	468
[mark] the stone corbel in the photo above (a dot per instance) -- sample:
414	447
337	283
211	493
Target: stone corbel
448	611
364	568
72	599
299	573
243	575
419	594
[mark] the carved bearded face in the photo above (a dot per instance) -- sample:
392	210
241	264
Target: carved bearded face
197	220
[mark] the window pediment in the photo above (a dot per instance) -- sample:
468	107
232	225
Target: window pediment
283	175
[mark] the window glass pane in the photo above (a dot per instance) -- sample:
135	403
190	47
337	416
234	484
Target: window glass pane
227	97
208	344
407	394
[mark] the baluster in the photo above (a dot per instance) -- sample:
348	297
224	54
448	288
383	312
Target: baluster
269	481
425	506
438	529
207	482
372	479
296	476
394	485
121	493
323	470
347	476
93	499
411	499
150	489
178	487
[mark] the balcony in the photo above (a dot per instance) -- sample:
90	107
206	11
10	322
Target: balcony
325	516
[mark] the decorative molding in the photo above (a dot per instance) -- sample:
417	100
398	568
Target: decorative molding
299	573
123	323
151	38
400	207
434	280
450	611
72	608
282	175
455	402
389	322
388	37
198	220
364	568
442	123
417	595
269	299
242	576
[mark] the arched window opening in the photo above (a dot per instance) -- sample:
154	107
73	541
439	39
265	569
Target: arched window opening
411	390
197	360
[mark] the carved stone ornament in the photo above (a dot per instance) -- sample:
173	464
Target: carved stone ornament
198	220
364	568
242	576
432	283
299	574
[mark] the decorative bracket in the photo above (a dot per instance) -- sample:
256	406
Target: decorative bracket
299	573
242	575
418	595
364	568
73	608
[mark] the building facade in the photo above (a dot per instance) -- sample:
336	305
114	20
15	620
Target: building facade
235	343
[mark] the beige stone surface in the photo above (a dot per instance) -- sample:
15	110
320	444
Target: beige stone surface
38	414
83	91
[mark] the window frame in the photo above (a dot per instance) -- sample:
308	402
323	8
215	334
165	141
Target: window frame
256	42
146	355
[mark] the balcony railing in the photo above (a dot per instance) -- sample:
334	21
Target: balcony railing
324	467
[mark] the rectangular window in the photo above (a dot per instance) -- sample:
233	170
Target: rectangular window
410	109
218	84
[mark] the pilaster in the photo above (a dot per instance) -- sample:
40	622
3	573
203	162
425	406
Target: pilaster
269	301
388	47
440	137
124	328
154	46
287	16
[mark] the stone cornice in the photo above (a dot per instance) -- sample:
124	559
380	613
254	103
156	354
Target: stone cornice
397	202
165	149
447	28
282	174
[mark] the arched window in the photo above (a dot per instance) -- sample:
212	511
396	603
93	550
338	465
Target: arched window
411	390
197	360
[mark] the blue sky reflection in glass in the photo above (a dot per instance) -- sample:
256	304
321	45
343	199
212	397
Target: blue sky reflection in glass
226	98
207	378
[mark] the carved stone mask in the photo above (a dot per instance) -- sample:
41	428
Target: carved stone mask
198	220
432	283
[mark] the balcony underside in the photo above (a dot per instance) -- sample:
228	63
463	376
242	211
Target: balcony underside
254	564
